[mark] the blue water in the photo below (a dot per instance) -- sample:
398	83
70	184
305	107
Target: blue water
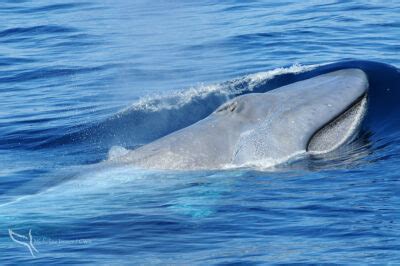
77	78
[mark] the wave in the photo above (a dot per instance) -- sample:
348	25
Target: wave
47	73
154	116
246	84
35	30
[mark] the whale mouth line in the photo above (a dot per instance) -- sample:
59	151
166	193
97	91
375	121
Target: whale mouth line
340	130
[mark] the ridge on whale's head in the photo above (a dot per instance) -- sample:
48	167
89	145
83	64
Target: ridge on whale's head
315	115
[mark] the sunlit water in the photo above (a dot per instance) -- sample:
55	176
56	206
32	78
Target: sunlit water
77	78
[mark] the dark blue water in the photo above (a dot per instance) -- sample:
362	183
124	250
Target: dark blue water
77	78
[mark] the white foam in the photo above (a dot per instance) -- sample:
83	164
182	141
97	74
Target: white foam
266	163
116	152
176	99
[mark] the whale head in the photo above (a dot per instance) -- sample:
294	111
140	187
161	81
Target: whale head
316	115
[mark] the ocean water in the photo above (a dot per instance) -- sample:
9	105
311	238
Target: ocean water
77	78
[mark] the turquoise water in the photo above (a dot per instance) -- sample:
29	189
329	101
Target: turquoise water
77	78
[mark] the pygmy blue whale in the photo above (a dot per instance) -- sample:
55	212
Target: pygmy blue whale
316	115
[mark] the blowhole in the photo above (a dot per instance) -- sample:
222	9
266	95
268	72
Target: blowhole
228	107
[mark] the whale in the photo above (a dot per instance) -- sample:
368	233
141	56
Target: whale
312	116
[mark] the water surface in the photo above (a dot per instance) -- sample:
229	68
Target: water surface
77	78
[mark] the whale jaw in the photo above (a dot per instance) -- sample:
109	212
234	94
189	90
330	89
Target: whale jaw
341	130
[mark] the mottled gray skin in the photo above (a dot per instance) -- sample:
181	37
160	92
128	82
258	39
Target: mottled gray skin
259	126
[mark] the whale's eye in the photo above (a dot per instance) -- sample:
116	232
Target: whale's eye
230	107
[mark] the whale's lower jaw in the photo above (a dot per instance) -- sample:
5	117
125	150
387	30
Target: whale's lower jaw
339	131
